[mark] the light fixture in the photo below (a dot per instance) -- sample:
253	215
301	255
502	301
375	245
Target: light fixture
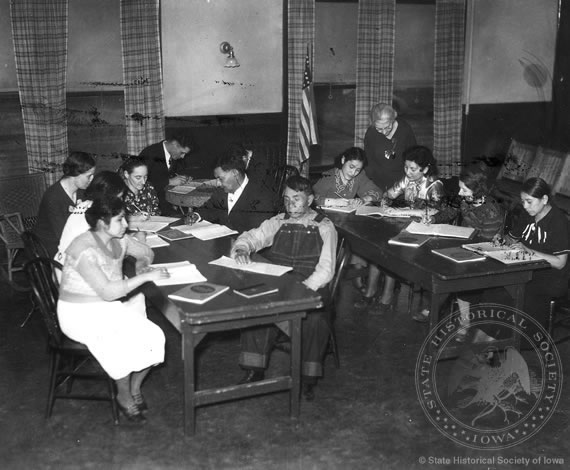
231	61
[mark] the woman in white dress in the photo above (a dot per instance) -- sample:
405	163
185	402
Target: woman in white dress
90	311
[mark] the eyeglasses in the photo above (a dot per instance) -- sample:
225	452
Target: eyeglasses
388	128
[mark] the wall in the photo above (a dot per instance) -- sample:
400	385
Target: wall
196	82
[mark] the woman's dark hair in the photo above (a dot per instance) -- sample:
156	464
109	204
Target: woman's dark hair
536	187
105	184
77	163
423	157
300	183
130	164
476	177
352	153
103	209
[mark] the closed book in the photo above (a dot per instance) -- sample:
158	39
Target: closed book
256	291
459	255
174	234
440	230
408	239
198	293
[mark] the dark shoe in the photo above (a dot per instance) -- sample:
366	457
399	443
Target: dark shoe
364	301
252	376
421	317
132	413
140	402
308	391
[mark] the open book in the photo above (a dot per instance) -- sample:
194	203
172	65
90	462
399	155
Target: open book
440	230
182	272
403	212
205	230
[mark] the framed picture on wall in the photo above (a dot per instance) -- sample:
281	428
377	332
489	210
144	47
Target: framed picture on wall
546	165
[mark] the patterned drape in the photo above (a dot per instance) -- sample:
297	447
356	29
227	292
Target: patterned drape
301	34
39	33
374	60
142	73
448	85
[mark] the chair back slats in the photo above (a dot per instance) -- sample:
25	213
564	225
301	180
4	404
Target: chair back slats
11	226
45	288
23	194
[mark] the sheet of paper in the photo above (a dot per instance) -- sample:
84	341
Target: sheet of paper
204	230
162	218
255	267
440	230
154	241
182	272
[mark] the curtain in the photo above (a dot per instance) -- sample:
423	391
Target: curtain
301	35
374	60
142	73
448	85
39	33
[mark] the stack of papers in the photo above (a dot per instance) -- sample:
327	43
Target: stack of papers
254	267
204	230
182	272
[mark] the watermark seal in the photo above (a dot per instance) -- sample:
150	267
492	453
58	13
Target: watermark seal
493	394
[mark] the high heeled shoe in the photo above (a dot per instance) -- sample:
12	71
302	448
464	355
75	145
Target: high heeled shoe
132	413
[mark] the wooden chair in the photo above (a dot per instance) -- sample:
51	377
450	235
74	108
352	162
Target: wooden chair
69	360
559	318
33	246
342	258
11	227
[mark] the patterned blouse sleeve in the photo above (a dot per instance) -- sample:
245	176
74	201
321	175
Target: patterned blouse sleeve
153	200
367	188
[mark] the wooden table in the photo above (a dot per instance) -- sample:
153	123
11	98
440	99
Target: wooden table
193	199
230	311
368	237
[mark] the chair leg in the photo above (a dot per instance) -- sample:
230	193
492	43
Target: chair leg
113	395
410	299
333	347
54	366
550	325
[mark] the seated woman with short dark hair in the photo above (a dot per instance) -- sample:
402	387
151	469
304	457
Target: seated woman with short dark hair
117	333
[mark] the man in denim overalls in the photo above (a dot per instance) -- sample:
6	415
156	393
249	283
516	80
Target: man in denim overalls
305	240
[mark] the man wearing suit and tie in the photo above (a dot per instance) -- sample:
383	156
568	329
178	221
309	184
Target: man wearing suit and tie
164	159
239	202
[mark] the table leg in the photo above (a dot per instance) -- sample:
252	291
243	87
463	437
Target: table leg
295	326
189	382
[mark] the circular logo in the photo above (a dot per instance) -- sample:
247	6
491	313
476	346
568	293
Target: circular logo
202	288
490	378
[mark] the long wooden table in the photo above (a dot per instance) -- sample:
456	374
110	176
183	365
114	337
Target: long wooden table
230	311
368	237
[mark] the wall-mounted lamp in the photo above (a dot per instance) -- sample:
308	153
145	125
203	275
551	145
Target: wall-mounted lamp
231	61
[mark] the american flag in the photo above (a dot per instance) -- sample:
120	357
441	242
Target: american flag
308	128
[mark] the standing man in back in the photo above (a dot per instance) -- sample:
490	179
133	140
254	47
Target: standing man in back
165	163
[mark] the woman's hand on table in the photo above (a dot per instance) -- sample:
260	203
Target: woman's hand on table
155	274
357	202
242	257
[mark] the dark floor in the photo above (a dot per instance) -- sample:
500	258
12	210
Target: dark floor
366	414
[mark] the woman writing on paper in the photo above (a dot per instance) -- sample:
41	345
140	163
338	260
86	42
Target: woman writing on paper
544	233
140	199
90	311
346	184
419	188
474	207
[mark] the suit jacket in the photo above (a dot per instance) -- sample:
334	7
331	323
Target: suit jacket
255	205
159	174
